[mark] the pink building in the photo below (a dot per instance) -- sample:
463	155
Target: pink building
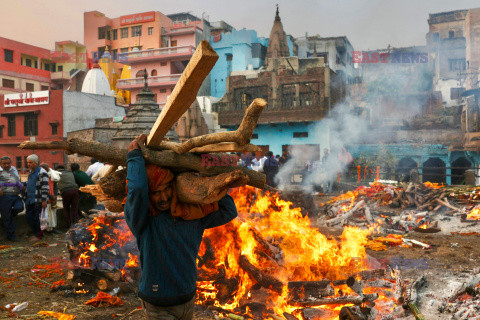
165	64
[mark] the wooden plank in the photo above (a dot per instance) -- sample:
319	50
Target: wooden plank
185	91
226	147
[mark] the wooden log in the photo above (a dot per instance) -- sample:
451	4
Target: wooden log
227	147
241	136
343	217
167	158
185	91
336	300
399	292
263	279
298	290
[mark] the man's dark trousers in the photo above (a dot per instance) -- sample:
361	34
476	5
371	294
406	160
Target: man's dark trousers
32	213
70	200
8	214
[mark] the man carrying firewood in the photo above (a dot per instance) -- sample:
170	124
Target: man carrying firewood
168	235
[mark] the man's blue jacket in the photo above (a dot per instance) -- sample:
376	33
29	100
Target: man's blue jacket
168	246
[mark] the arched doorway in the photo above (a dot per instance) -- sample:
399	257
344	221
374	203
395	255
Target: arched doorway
434	170
459	167
404	166
153	73
139	74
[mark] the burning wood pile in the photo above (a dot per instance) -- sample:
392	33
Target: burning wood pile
267	264
366	206
103	254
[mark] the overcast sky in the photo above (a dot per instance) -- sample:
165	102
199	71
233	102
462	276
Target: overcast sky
368	24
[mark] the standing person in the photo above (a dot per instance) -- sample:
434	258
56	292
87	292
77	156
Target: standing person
270	167
87	202
10	202
255	162
94	167
70	197
36	195
53	179
329	174
168	244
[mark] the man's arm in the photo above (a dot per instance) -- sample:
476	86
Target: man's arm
136	207
226	212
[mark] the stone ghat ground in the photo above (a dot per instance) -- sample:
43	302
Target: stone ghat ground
37	273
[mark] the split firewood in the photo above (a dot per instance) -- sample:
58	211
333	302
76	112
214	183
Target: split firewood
167	158
298	290
368	215
337	300
345	216
185	91
263	279
399	292
226	147
411	293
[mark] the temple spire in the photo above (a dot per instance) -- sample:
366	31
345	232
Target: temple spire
277	43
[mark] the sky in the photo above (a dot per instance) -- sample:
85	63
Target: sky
368	24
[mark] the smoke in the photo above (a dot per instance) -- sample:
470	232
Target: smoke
376	109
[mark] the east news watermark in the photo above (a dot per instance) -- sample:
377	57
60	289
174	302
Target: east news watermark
389	57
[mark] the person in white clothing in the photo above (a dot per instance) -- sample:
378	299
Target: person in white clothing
94	167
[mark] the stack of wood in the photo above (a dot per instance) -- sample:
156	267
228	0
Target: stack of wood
98	257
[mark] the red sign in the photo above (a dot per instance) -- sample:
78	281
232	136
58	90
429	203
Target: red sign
137	18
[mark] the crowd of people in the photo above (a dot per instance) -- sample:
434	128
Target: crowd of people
319	172
39	193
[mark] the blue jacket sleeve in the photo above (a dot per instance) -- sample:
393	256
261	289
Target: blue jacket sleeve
226	212
136	207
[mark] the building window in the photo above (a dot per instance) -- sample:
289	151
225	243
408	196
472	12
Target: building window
150	31
114	54
43	88
35	64
457	64
163	90
29	87
163	64
8	55
229	63
54	128
18	163
60	68
123	50
1	131
11	125
255	136
28	62
136	31
7	83
451	34
153	73
114	34
300	134
102	32
124	33
30	124
456	93
174	43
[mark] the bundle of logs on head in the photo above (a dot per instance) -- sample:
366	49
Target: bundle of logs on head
184	159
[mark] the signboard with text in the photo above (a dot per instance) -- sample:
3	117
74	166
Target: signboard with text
26	99
137	18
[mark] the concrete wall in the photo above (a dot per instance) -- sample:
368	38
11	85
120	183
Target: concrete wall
81	109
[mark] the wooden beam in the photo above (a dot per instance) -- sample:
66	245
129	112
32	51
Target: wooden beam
185	92
226	147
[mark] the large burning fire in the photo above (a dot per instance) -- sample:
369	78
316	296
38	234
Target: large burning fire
278	240
253	258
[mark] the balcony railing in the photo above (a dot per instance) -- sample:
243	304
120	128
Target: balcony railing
185	29
155	53
152	81
60	75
